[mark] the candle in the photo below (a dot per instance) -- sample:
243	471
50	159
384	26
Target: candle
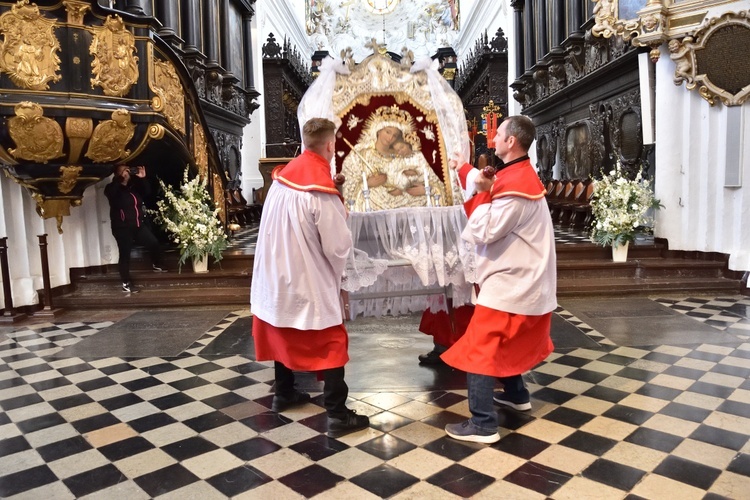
365	187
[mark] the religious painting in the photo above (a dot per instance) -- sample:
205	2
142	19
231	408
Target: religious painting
578	151
387	152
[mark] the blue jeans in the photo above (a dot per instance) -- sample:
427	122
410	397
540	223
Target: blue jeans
481	390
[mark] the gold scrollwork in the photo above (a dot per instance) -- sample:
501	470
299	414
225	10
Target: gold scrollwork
78	131
156	131
37	137
28	52
200	150
111	137
169	98
711	59
218	197
68	178
76	10
115	64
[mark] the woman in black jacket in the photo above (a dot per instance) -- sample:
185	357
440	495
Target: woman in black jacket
126	210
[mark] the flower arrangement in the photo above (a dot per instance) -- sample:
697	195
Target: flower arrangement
619	206
186	214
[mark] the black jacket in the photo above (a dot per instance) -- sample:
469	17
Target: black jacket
126	207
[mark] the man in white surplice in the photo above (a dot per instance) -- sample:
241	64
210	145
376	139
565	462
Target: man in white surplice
302	249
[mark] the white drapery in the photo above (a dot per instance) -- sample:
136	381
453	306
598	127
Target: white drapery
408	250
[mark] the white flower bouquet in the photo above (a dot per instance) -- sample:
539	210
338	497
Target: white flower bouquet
186	215
619	206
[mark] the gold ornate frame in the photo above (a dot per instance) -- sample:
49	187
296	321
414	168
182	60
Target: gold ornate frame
684	25
378	75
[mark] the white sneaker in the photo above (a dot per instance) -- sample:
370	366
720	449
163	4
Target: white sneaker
502	399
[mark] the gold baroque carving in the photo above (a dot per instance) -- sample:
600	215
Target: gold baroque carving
169	99
37	137
200	150
700	70
111	137
218	198
78	131
115	64
76	11
68	178
28	52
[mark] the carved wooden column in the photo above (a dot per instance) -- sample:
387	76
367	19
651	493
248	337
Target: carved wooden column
225	41
519	34
191	25
134	7
542	35
211	42
575	16
558	23
528	36
167	11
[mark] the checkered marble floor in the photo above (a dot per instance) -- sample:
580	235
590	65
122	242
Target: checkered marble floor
661	421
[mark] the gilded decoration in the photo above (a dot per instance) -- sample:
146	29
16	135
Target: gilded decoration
200	150
169	99
68	178
37	138
714	59
111	137
79	131
76	11
28	51
218	198
115	65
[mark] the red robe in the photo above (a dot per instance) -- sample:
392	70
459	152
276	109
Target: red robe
499	343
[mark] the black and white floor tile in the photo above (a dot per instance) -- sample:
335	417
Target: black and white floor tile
646	421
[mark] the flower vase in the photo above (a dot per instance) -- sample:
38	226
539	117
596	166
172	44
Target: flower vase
200	264
620	252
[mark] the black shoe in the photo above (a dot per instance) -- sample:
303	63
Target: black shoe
129	288
281	403
351	422
431	358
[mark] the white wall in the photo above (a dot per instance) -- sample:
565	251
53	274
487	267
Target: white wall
86	239
692	153
281	18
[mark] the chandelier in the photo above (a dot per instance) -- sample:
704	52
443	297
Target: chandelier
381	6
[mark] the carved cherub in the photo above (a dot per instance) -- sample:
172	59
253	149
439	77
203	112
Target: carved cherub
407	57
681	53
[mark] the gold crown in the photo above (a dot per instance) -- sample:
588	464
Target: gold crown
388	116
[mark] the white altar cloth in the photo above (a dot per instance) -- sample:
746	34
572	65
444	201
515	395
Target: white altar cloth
399	253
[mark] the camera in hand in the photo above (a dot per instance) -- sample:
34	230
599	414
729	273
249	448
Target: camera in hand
133	170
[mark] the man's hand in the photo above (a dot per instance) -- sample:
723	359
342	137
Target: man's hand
395	192
410	172
416	190
377	180
140	171
454	163
483	184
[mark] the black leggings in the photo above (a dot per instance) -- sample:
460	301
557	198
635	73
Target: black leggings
126	237
335	390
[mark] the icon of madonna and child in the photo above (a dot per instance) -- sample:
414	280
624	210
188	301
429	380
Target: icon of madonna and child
388	158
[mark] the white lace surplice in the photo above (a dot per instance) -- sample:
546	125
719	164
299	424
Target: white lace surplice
408	249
